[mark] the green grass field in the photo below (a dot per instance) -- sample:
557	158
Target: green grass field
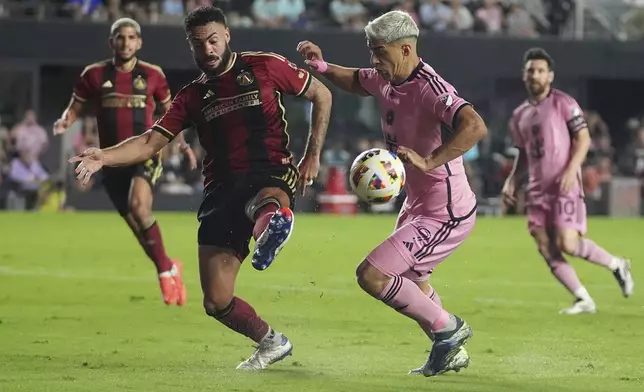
80	311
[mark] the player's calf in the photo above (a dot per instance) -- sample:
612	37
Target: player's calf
404	296
150	235
571	243
239	316
449	332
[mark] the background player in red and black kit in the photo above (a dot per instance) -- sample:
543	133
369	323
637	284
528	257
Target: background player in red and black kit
236	108
122	92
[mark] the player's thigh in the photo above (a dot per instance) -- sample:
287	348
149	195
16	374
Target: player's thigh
117	183
218	268
435	241
223	222
141	197
542	240
417	247
539	218
145	177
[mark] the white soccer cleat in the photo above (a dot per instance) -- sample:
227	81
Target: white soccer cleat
461	361
623	276
268	352
581	306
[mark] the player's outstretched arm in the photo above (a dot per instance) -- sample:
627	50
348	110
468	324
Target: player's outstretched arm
129	152
343	77
134	150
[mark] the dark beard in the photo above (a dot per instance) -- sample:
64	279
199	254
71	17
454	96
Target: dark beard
535	89
225	59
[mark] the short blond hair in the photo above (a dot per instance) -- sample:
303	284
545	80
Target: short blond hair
392	26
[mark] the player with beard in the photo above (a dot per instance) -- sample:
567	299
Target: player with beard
551	134
250	181
121	91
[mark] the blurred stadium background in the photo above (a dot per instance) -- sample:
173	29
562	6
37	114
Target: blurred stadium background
476	44
78	313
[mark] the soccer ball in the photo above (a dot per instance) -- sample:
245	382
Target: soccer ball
377	176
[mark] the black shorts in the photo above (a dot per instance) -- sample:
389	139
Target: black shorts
118	181
222	214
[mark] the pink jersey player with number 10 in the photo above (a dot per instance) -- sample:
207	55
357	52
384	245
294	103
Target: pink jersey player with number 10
429	126
552	137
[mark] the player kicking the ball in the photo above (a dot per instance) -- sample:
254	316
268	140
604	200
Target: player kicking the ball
250	181
551	134
429	126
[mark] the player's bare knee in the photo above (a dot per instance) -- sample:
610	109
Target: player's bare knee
370	279
217	307
567	243
141	212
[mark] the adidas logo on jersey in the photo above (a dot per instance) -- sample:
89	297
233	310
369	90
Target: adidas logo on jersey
107	84
208	94
408	245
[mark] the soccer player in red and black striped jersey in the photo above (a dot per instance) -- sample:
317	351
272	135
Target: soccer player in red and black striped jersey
122	92
250	181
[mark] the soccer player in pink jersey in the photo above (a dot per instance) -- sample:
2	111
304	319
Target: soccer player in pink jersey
429	126
551	134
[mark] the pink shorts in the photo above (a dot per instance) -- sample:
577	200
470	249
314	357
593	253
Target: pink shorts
419	244
558	211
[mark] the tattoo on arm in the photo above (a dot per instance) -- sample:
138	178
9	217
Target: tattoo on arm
320	96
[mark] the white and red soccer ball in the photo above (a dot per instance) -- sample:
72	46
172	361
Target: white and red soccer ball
377	176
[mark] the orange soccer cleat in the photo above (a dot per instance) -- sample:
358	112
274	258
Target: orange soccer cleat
172	288
180	288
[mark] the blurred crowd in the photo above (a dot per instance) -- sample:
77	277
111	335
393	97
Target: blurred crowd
26	184
526	18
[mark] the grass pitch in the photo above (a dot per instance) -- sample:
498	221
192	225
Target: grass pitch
80	311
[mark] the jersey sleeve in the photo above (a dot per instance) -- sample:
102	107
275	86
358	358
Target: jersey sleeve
443	101
573	115
85	88
369	79
287	76
176	119
161	89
